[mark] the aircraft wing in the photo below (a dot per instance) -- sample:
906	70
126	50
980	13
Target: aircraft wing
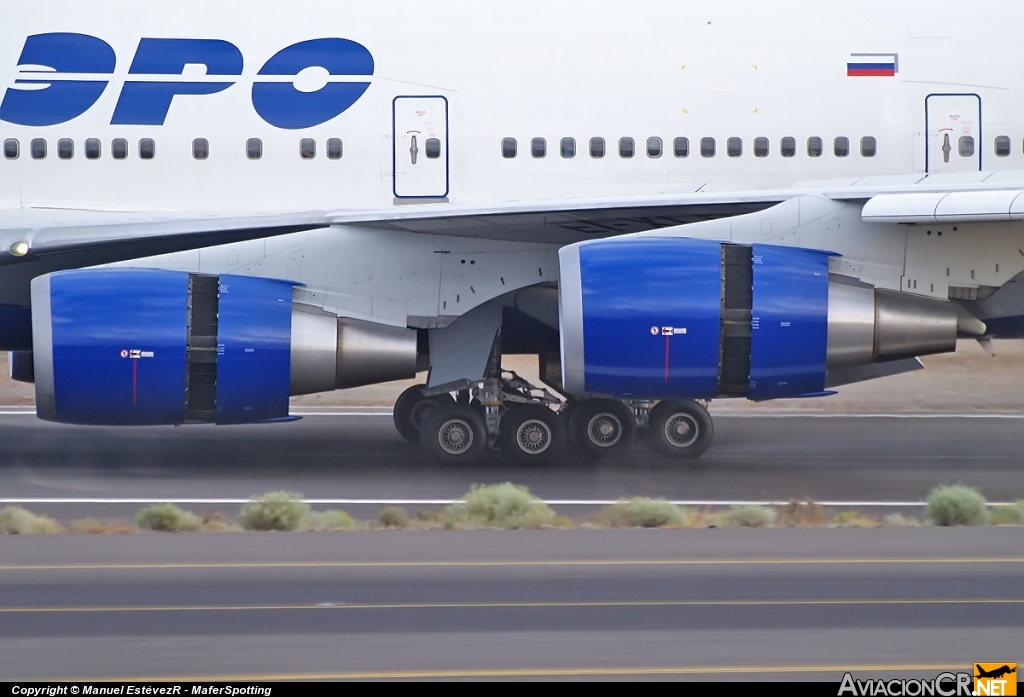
57	238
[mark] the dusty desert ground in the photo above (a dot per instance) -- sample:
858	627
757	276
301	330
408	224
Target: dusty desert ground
966	381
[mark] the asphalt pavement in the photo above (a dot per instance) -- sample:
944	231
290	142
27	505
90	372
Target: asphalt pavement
702	604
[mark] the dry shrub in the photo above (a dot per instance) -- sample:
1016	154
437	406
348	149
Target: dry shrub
749	517
498	506
1012	514
797	514
166	517
277	510
15	520
854	519
956	505
393	517
640	512
319	521
98	527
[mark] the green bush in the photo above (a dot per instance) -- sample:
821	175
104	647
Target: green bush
639	512
15	520
898	520
393	517
1008	515
500	506
956	505
166	517
328	520
277	510
749	517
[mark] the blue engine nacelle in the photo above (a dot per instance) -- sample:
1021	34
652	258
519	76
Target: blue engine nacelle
149	346
674	318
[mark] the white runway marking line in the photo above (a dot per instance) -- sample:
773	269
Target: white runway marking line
446	502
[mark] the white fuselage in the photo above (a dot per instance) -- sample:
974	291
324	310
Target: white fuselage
651	69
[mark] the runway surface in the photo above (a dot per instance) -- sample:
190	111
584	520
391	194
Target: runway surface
718	604
360	456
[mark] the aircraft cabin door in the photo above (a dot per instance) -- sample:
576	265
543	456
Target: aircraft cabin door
953	133
420	153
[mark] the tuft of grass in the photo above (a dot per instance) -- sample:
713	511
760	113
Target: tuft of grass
956	505
277	510
166	517
15	520
218	522
393	517
561	521
1012	514
319	521
640	512
797	514
498	506
101	527
749	517
898	520
854	519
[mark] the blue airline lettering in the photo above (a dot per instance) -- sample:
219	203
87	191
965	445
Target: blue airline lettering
146	102
64	100
282	105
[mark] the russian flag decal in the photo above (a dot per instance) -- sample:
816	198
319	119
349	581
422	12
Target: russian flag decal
873	65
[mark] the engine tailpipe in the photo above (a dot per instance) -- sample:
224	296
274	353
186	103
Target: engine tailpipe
330	352
869	325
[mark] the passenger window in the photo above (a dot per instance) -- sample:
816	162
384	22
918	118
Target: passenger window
568	147
681	147
814	146
597	148
538	147
307	148
787	146
707	147
147	149
65	148
254	148
760	147
508	148
12	149
1002	146
966	146
93	149
627	148
433	148
334	150
200	148
38	148
841	146
119	148
869	146
654	147
734	147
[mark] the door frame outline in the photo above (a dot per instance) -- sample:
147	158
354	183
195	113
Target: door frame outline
927	138
394	146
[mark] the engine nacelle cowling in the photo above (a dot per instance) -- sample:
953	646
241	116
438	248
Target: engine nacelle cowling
675	318
150	346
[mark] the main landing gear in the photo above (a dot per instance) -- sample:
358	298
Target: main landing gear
531	426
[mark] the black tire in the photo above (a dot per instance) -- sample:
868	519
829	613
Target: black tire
454	434
679	430
531	434
411	410
602	427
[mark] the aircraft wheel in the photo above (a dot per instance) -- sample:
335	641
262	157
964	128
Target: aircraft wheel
602	427
680	430
454	434
531	434
412	408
